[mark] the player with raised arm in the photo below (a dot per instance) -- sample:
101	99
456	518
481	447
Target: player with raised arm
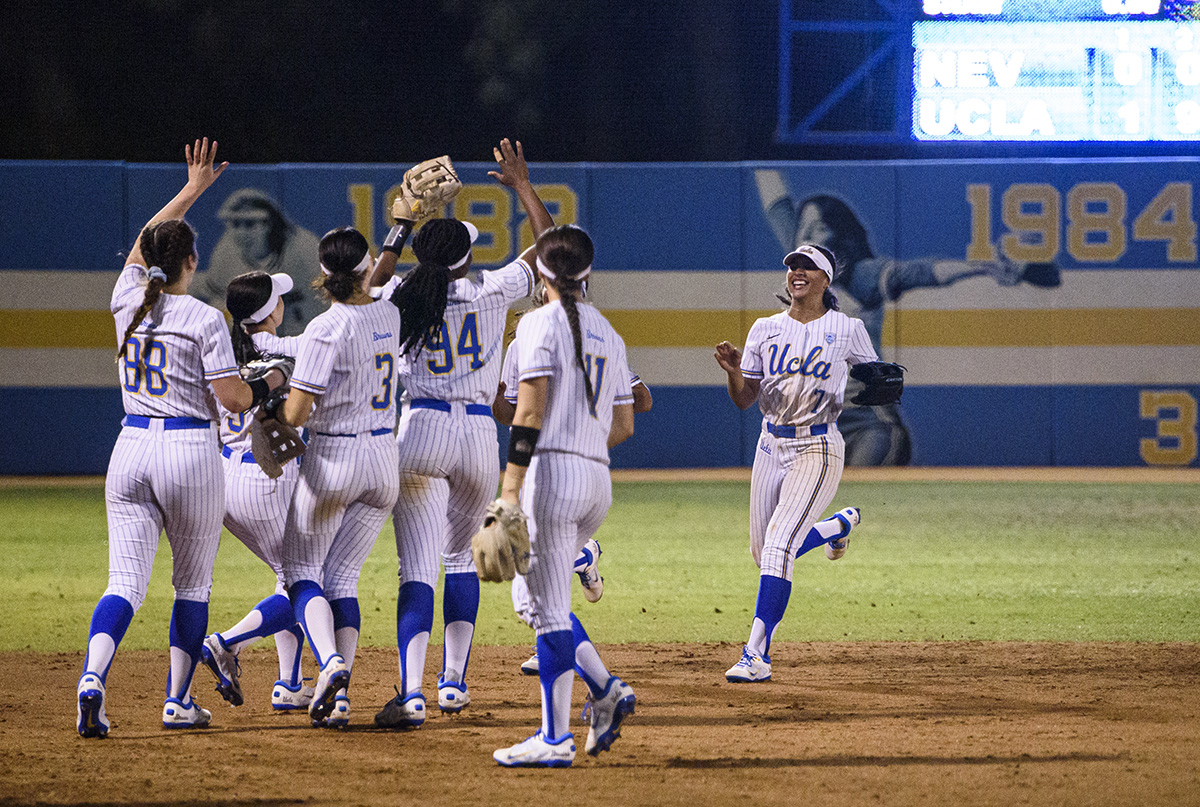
573	404
256	504
795	366
449	469
165	472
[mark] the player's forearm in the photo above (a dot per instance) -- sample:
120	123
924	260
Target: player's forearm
514	478
539	217
297	408
622	425
741	392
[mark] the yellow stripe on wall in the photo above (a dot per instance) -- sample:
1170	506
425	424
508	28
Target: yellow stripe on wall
41	329
704	328
1052	328
932	328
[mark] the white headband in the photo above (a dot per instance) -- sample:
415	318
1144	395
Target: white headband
813	254
363	266
281	284
545	270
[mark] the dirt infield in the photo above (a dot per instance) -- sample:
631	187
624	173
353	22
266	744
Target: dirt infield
854	723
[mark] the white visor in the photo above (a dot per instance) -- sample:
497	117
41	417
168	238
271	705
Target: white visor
281	284
472	231
813	254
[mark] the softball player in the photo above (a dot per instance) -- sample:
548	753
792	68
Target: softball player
588	560
165	471
343	390
256	506
447	440
795	365
574	402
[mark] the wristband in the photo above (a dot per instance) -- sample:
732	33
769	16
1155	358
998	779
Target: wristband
259	390
397	236
521	443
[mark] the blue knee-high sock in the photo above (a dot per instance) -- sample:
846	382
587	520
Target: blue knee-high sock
460	606
556	661
824	531
414	617
276	614
189	623
773	595
347	621
110	620
291	675
587	661
301	593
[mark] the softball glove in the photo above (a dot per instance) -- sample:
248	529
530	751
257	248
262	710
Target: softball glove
501	549
427	188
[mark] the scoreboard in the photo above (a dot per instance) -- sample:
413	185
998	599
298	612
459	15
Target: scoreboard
1073	70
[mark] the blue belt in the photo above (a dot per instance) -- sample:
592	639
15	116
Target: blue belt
226	452
143	422
444	406
797	431
374	433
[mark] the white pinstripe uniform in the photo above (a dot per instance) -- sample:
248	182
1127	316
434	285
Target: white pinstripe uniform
449	466
803	370
510	377
347	483
165	472
256	506
567	490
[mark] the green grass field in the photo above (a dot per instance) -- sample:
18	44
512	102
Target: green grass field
931	560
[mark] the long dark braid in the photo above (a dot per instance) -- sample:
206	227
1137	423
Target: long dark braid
421	298
165	245
568	251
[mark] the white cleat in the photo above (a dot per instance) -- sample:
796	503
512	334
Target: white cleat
751	668
224	666
339	718
589	573
850	517
335	676
452	695
180	715
538	752
402	712
288	698
90	718
530	666
608	712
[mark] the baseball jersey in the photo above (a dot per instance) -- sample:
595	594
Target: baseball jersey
545	348
803	367
510	377
459	365
180	335
347	358
235	426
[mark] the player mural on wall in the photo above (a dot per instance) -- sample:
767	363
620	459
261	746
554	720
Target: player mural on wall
864	284
258	237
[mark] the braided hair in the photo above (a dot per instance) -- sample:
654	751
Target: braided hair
568	252
341	251
246	294
828	299
421	298
165	248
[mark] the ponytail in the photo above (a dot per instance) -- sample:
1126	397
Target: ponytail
165	247
567	252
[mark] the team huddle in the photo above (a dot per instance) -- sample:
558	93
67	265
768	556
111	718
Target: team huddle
387	404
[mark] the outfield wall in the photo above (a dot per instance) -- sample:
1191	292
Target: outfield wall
1095	363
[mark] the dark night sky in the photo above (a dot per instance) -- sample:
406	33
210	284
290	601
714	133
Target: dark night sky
388	81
